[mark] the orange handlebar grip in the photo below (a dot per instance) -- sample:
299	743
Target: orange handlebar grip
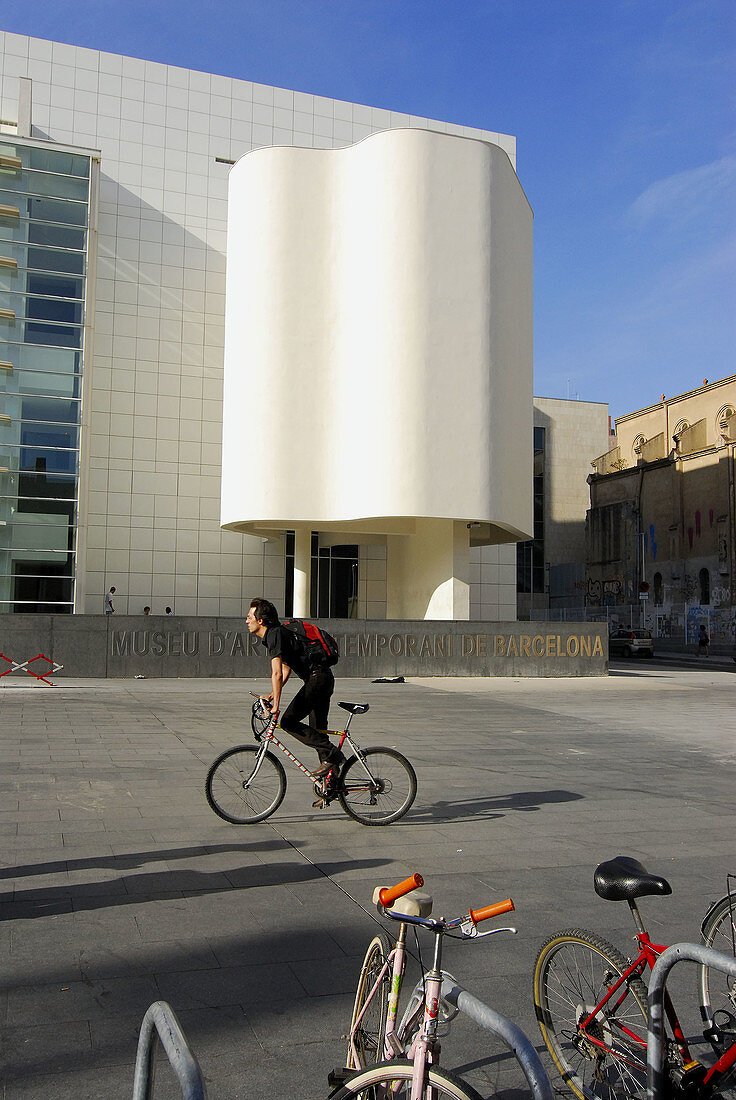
392	893
496	910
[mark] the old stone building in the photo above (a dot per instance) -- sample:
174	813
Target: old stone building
660	531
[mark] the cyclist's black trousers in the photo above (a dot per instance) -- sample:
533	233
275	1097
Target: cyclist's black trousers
313	699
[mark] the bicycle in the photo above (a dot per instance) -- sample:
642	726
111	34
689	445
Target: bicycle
386	1061
591	1004
717	992
244	785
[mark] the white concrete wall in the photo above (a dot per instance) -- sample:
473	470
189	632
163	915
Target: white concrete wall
379	323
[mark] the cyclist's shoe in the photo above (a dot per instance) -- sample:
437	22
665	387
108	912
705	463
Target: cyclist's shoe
328	766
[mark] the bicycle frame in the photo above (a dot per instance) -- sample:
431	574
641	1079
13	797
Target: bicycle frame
648	954
425	1048
268	737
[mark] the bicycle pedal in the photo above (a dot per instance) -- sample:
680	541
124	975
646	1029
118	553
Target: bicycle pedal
688	1077
319	804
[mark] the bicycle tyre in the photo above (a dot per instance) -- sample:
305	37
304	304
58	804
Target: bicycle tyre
225	792
376	1083
385	801
717	990
571	973
370	1035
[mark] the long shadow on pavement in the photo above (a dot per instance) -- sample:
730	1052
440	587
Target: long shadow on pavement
164	885
136	859
487	808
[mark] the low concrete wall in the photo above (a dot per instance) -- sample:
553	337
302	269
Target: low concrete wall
123	646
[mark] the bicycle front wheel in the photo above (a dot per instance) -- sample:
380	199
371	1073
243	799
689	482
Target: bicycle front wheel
718	990
368	1035
379	791
240	795
607	1059
389	1080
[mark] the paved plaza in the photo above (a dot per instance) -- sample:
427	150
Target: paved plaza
121	887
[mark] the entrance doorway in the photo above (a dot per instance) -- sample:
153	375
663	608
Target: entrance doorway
334	593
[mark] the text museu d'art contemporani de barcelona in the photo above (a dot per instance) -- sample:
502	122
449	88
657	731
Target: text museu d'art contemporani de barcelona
417	645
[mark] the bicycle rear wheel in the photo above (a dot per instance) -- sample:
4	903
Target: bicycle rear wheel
381	794
718	990
389	1080
239	796
607	1060
369	1034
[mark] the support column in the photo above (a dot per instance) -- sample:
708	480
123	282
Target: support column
302	571
428	573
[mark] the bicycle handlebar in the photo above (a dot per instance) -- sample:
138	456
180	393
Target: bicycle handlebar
389	894
477	915
266	711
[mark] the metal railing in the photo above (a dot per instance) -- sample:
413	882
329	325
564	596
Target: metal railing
160	1023
692	952
486	1017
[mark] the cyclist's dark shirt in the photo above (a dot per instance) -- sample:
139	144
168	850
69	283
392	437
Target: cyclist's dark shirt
283	643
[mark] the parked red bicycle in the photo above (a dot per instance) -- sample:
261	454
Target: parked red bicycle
591	1005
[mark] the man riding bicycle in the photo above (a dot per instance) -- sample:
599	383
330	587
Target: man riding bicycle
287	654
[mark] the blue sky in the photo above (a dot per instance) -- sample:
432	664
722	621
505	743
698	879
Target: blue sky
626	138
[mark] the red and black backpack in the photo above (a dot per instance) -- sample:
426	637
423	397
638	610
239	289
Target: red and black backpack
321	648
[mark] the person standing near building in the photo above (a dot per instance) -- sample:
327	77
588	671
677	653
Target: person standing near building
287	655
109	609
703	641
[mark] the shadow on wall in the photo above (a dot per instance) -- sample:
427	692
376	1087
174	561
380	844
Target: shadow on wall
160	318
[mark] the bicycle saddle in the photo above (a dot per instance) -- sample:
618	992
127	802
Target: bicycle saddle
624	878
355	708
414	904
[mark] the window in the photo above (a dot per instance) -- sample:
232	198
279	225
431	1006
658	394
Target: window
658	591
289	575
334	591
725	422
530	555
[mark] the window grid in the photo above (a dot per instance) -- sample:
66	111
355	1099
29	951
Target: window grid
45	285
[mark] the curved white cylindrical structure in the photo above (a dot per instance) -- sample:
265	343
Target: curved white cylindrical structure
378	347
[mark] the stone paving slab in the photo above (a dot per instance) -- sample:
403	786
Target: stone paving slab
118	886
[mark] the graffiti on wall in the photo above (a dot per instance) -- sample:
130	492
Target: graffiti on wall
611	587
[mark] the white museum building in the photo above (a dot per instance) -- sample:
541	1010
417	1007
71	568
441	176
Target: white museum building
255	342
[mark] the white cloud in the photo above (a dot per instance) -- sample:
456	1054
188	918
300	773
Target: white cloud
685	195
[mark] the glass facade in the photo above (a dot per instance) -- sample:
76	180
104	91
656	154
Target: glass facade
44	219
530	555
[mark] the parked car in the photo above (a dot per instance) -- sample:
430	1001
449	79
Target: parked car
630	643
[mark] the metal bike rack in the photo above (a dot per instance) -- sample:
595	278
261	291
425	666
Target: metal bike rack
691	952
514	1038
160	1016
